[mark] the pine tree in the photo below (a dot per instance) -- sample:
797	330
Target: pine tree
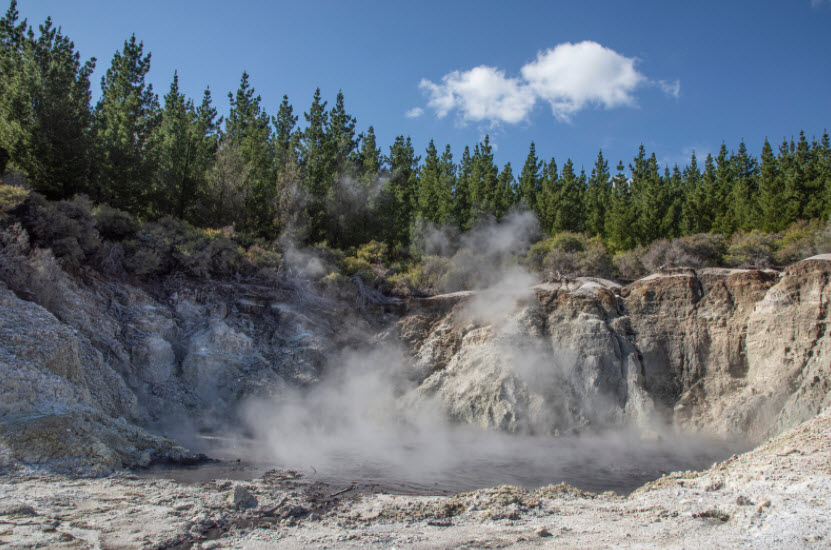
44	107
461	192
14	98
824	172
124	123
549	196
187	141
744	189
598	196
249	135
790	172
723	219
620	221
695	210
402	190
284	135
482	184
770	201
504	197
317	162
529	180
651	199
447	183
567	213
428	185
341	133
370	159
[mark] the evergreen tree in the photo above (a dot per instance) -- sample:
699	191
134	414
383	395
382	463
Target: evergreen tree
248	134
723	219
651	199
461	192
44	108
14	100
744	189
428	185
529	180
771	200
621	216
187	141
284	135
482	183
370	159
823	154
598	196
317	163
124	123
447	183
790	172
567	212
402	190
341	133
695	210
504	197
549	196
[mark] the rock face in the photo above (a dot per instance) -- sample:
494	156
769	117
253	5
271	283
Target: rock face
90	368
739	353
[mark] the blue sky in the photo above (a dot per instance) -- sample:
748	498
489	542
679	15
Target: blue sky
573	76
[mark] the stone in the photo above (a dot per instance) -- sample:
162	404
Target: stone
242	499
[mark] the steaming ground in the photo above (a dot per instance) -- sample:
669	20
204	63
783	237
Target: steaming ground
465	460
356	426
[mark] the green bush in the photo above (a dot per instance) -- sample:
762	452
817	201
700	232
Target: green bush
750	250
373	252
113	224
798	242
10	197
351	266
628	263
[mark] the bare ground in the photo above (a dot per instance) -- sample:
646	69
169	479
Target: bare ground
776	496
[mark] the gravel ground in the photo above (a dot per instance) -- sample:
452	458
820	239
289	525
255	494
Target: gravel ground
776	496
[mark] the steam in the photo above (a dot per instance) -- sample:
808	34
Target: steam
378	412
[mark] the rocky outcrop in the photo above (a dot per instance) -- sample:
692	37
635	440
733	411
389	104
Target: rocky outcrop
91	369
739	353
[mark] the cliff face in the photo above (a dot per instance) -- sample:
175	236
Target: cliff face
91	367
738	353
88	365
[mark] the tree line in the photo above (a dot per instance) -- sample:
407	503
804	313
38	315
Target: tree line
325	181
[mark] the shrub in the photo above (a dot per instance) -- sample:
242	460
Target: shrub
351	266
798	242
11	197
750	250
262	258
143	262
569	255
373	252
430	276
113	224
628	263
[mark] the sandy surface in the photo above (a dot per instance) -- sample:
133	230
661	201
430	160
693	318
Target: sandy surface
777	496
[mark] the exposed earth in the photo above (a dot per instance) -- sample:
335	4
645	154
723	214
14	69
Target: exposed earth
101	378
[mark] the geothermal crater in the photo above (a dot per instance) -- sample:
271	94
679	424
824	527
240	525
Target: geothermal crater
328	401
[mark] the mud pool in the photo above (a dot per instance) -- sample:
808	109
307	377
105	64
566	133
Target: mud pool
614	462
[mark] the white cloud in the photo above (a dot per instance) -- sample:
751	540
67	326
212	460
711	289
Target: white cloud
570	77
818	3
670	87
482	93
415	112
